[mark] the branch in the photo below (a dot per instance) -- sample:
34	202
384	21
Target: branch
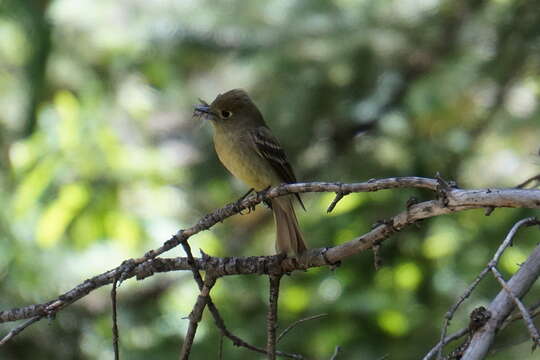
196	315
18	329
115	320
491	266
454	200
271	321
218	320
457	335
533	331
503	304
528	181
533	310
337	350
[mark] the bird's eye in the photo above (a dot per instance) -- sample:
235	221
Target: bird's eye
226	114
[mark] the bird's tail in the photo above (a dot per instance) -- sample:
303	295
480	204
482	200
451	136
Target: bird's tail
289	239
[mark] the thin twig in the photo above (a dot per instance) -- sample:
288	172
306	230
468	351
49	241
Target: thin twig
192	264
533	310
238	341
196	315
18	329
455	336
528	181
533	331
220	349
377	258
297	322
271	320
203	299
115	320
337	350
508	240
339	195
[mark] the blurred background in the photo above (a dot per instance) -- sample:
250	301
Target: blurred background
101	160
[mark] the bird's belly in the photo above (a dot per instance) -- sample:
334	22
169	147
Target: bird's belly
244	163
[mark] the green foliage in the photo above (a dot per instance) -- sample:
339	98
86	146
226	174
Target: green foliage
101	160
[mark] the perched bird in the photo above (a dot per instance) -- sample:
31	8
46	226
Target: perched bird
248	149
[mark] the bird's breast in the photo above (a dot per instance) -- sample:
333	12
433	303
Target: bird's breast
238	156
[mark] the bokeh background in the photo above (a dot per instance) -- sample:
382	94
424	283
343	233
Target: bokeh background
101	160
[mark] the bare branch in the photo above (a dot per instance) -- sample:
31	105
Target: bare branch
339	196
218	320
457	335
492	263
115	320
18	329
456	200
337	350
533	310
220	349
196	315
528	181
271	321
533	331
503	304
203	299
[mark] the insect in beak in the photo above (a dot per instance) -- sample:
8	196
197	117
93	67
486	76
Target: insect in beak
203	109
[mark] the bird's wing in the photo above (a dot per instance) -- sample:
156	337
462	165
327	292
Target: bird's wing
269	149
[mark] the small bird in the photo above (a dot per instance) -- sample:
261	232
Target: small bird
248	149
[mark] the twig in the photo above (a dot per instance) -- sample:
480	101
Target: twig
239	342
220	349
508	240
271	320
533	331
528	181
115	320
297	322
337	350
533	310
377	259
18	329
435	350
339	195
203	298
492	263
196	315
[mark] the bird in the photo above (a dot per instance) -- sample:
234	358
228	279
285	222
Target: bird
247	148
